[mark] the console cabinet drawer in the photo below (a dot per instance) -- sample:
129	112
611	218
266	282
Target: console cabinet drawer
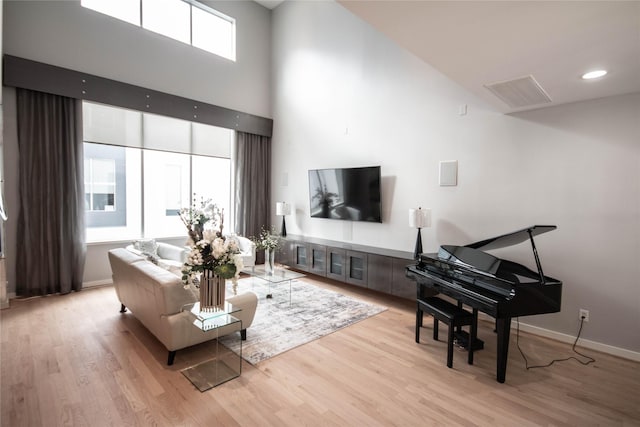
357	268
318	259
336	264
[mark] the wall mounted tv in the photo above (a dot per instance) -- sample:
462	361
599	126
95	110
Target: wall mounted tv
348	193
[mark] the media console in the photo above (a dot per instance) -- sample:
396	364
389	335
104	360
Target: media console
382	270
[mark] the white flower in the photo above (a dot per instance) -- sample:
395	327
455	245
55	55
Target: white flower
209	235
237	260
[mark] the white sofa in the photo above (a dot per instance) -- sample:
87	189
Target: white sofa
156	296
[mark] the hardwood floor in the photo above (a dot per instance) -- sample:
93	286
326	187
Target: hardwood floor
74	360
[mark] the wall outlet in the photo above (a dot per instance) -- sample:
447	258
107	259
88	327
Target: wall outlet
584	314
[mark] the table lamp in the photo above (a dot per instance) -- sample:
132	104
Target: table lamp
283	209
419	218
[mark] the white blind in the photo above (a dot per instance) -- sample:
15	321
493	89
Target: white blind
113	126
211	140
105	124
166	134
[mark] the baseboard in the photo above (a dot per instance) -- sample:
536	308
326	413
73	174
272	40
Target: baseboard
92	284
593	345
96	283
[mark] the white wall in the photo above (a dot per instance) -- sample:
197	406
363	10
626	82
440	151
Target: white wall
64	34
345	95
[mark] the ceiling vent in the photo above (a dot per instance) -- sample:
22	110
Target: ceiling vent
521	92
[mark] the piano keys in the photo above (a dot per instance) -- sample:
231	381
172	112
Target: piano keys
498	287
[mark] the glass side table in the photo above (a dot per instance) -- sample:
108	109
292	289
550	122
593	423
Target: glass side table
226	365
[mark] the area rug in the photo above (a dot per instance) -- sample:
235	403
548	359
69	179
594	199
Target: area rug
279	326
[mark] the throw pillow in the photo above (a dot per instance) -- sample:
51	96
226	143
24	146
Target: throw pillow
146	246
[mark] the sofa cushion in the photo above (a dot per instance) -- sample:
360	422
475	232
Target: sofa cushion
174	267
146	246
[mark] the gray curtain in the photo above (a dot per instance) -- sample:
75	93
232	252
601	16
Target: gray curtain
252	184
50	249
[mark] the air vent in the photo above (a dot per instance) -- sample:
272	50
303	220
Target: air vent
521	92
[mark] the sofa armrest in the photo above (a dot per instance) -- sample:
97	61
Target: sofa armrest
248	303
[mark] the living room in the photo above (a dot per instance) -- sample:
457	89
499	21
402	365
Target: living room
342	94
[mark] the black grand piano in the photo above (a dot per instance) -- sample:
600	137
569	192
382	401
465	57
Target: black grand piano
503	289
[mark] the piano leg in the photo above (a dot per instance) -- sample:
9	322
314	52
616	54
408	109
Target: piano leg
472	336
418	323
503	326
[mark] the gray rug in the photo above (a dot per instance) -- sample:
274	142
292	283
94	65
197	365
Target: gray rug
314	312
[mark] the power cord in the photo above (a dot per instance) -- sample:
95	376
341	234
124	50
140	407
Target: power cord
573	347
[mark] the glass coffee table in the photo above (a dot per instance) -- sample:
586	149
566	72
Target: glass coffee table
280	275
226	365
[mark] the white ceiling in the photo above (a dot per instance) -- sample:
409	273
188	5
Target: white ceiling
477	43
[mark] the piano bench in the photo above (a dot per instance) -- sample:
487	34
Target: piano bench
453	316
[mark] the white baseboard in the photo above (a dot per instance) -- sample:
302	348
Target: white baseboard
92	284
97	283
592	345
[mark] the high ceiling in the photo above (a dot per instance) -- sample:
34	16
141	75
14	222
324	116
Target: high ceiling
479	43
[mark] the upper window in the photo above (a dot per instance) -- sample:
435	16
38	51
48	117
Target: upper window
184	20
126	10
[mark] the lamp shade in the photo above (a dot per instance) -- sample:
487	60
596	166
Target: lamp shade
283	208
420	218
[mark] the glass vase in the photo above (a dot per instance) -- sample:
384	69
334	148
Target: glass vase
270	261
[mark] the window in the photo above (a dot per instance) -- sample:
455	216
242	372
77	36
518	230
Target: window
213	33
167	17
104	185
141	169
100	184
125	10
184	20
166	191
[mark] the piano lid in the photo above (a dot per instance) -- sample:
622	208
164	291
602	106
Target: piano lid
470	258
511	239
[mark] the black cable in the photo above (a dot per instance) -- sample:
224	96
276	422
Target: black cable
573	347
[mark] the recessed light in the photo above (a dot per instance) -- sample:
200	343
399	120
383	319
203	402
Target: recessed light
594	74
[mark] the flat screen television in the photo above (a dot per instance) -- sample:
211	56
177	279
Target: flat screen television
347	193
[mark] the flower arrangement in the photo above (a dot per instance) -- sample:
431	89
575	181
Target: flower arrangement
267	240
210	250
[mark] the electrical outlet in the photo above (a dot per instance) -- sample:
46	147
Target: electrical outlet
584	314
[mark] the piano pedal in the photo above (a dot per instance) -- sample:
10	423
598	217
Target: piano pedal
461	339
